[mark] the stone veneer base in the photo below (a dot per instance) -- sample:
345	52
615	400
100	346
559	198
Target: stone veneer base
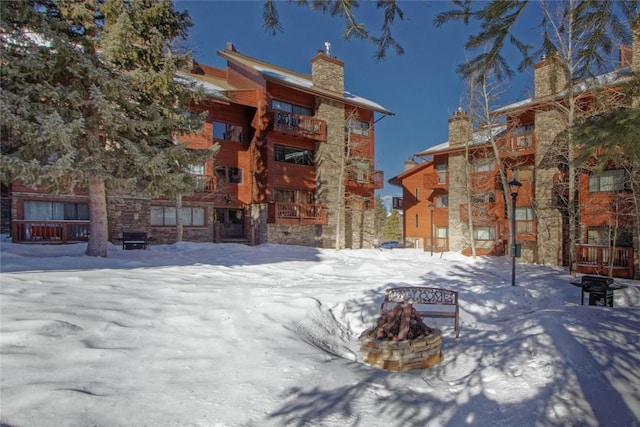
418	353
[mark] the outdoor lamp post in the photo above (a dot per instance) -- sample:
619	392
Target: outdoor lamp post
514	187
431	206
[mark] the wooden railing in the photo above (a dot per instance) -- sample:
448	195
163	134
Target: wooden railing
521	143
49	231
296	124
602	260
204	184
297	213
374	181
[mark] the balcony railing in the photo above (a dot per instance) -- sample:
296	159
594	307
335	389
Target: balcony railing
204	184
296	124
373	181
435	180
517	144
602	260
297	213
49	231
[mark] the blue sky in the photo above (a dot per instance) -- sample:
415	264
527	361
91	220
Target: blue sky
421	87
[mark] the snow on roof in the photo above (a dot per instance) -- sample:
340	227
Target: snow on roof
608	79
303	81
209	88
479	136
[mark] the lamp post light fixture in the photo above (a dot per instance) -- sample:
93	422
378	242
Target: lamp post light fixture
431	206
514	187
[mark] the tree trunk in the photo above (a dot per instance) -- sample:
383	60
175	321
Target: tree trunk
179	227
98	226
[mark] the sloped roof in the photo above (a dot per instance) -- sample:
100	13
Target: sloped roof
479	137
213	87
612	78
298	80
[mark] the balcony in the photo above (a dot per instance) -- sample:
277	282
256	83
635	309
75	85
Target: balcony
517	145
298	125
435	180
297	213
360	178
204	184
595	259
481	212
49	231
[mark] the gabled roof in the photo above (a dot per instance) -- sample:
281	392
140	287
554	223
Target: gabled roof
296	80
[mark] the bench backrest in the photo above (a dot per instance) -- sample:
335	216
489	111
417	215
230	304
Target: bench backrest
420	295
134	235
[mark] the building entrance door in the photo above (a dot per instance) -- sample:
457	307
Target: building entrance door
232	221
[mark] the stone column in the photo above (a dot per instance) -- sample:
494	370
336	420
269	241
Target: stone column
460	134
328	73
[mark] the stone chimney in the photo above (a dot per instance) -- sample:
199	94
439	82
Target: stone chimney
409	163
460	128
327	72
549	77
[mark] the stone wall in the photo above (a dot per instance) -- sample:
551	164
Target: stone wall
550	230
295	234
458	230
132	214
329	164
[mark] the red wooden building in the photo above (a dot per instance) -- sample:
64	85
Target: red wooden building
295	166
453	197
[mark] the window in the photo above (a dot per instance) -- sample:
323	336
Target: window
226	131
483	233
291	108
229	174
358	127
417	222
611	180
441	171
604	236
197	169
55	211
295	155
167	216
484	165
442	201
524	214
416	194
442	232
523	173
360	170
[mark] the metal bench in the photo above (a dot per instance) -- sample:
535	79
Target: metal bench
134	240
444	300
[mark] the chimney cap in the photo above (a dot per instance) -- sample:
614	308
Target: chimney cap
231	47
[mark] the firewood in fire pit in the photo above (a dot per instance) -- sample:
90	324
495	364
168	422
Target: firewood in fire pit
400	323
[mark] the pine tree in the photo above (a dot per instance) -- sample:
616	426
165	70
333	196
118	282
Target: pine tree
90	101
393	226
380	218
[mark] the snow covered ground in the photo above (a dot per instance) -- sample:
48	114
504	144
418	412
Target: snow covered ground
231	335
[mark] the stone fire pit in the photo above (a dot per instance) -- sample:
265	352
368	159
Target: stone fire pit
401	342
